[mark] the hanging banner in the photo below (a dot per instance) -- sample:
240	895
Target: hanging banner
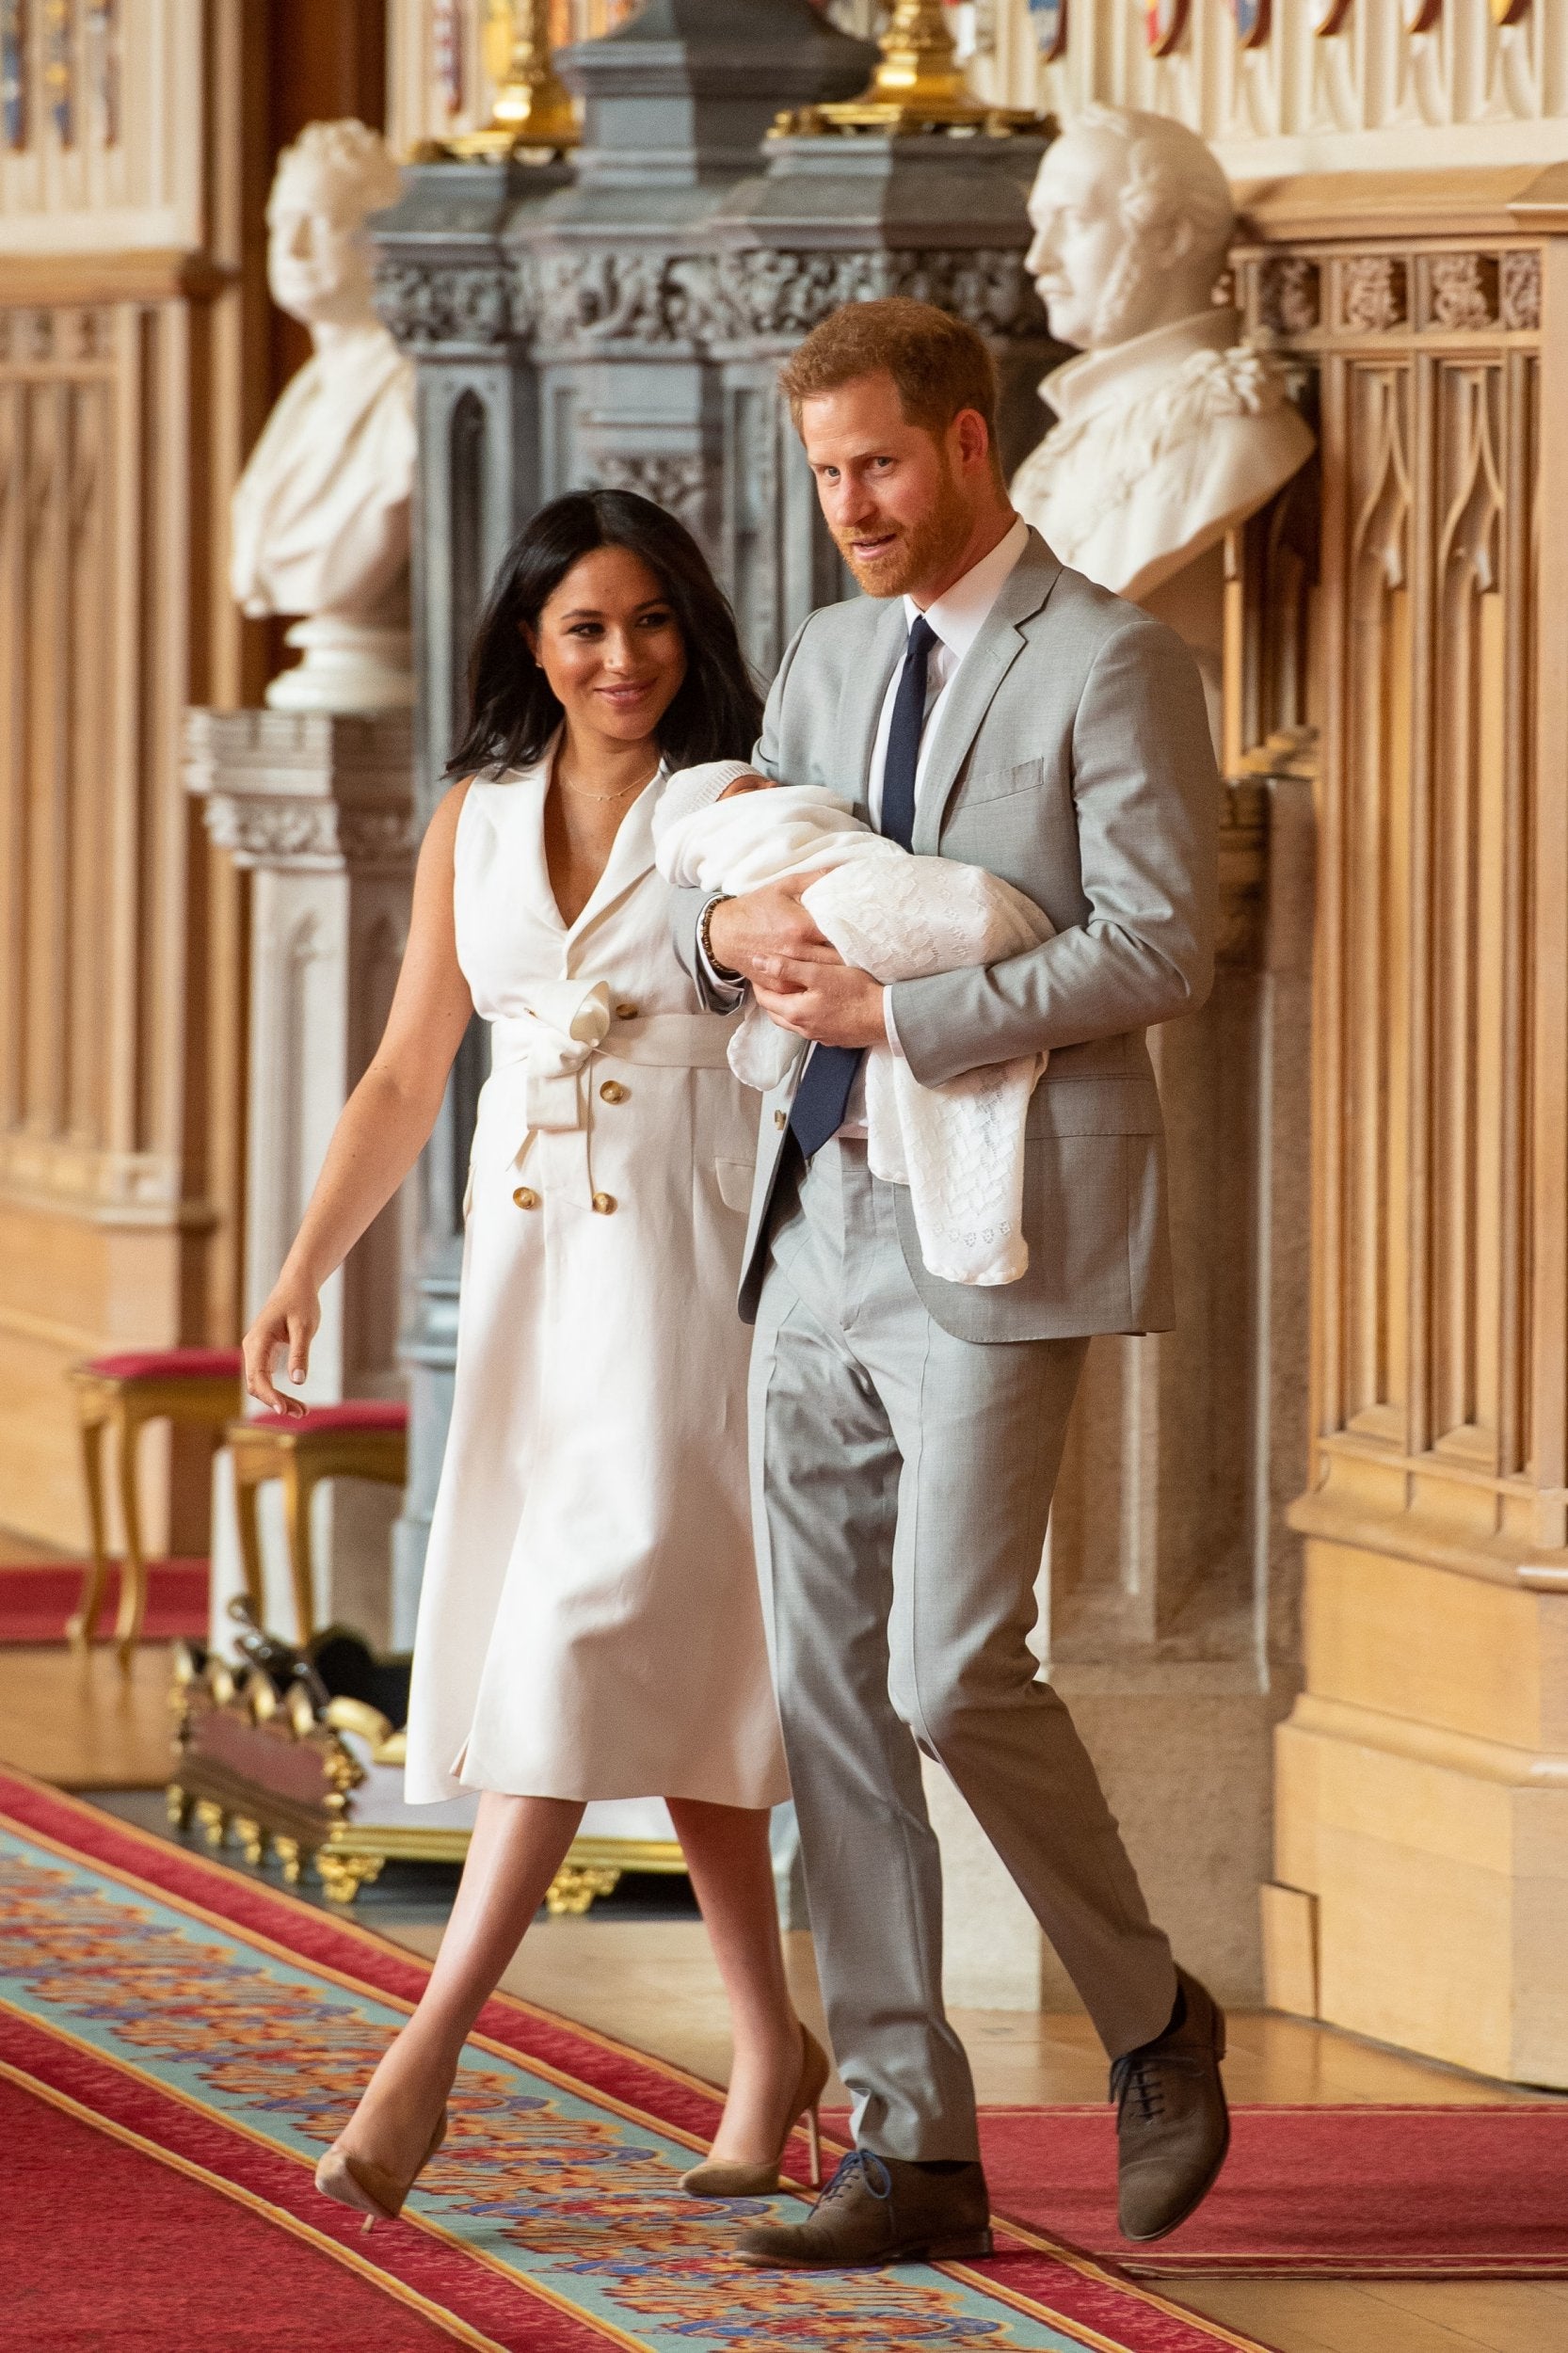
1164	21
1049	20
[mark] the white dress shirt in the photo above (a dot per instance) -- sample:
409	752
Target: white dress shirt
958	618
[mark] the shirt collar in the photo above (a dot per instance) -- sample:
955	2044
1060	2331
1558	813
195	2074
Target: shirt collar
960	613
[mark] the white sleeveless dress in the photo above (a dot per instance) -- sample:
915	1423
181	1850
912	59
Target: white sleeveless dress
590	1624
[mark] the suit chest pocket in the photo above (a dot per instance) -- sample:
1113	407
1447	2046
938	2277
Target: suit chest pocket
982	786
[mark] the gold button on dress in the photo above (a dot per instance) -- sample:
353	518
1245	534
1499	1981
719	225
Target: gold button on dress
590	1624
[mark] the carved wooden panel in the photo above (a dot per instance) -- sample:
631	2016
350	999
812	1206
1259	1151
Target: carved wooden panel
1430	987
1465	91
82	1079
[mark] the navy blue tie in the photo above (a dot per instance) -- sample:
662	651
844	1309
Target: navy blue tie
822	1096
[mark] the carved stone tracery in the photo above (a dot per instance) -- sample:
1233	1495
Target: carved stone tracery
1463	289
1373	293
674	480
585	297
1519	275
428	306
1291	299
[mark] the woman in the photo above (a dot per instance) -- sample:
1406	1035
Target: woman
589	1625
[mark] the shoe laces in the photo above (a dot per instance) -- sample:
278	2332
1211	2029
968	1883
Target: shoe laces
861	2165
1140	2076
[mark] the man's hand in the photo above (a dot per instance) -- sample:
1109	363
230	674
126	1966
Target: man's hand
833	1005
770	922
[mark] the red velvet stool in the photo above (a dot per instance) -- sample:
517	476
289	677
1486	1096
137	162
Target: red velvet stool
200	1385
365	1438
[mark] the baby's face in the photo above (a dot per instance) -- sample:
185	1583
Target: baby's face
750	782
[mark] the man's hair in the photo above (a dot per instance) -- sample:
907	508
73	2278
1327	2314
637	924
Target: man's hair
355	158
940	365
1171	175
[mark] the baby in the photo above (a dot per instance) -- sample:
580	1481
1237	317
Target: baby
958	1147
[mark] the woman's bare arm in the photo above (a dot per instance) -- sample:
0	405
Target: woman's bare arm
384	1125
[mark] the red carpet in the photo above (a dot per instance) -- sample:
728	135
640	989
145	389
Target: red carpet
38	1598
184	2040
1419	2193
191	2265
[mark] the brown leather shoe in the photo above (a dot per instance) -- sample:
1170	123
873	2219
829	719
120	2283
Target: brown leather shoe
1172	2128
880	2210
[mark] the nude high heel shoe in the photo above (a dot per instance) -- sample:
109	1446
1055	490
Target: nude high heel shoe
719	2177
368	2187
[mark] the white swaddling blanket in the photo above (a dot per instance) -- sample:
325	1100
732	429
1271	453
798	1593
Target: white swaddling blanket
958	1147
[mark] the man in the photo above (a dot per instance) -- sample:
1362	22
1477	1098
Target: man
982	702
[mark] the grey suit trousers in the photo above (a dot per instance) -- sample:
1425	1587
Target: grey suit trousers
901	1483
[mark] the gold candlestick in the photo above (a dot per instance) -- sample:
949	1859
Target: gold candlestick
918	85
533	108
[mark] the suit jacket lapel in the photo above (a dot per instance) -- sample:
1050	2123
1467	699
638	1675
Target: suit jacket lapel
861	706
975	683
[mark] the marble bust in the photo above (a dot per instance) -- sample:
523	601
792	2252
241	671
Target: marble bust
1170	429
321	514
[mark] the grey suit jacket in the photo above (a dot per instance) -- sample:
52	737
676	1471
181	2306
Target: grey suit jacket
1072	755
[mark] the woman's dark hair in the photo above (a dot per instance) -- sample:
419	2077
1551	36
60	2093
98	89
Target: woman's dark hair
716	713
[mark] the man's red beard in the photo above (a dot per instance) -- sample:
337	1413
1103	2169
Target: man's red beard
917	552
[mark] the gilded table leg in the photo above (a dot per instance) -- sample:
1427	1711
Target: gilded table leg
80	1628
249	1534
132	1575
297	1489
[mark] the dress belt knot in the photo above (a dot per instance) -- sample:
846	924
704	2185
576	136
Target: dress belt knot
548	1043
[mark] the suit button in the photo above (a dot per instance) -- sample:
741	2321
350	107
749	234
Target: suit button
781	1119
606	1204
613	1092
525	1197
626	1013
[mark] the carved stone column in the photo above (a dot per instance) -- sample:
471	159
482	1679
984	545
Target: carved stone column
320	810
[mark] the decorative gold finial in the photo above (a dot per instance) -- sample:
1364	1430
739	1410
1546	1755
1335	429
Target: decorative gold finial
918	85
533	108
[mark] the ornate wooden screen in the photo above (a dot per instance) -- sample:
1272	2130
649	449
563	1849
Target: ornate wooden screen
1432	979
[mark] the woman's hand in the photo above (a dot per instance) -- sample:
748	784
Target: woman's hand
289	1321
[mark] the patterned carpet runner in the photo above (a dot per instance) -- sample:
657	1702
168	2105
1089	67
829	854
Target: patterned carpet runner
177	2043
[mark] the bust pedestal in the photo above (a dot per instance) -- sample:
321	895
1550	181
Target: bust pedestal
320	809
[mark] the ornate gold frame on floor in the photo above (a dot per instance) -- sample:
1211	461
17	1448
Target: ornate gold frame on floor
277	1775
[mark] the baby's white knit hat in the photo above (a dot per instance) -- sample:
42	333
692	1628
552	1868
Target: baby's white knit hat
691	789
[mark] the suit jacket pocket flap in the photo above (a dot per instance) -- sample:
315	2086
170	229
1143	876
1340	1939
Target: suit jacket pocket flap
1094	1107
997	784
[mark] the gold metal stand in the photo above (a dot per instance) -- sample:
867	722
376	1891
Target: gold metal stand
280	1780
533	108
919	86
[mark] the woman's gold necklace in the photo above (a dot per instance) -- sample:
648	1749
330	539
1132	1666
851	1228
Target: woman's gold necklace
641	786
